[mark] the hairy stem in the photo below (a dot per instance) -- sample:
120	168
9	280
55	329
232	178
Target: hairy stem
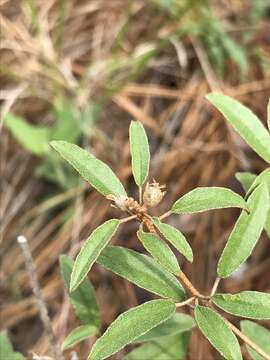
186	302
215	286
190	286
165	215
247	340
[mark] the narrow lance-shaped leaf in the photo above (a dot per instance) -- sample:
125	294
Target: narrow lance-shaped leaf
246	179
267	224
32	137
245	233
79	334
178	323
214	328
262	177
207	198
250	304
259	335
141	270
175	237
94	171
140	154
83	299
159	250
245	122
91	250
130	325
165	348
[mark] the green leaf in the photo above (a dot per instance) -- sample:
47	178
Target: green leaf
245	233
259	335
91	250
214	328
175	237
83	299
166	348
159	250
140	154
33	138
245	122
141	270
79	334
268	114
250	304
178	323
94	171
262	177
267	224
6	350
246	179
130	325
207	198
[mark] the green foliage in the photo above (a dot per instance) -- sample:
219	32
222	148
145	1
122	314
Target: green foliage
218	333
268	114
94	171
35	139
245	122
130	325
140	154
160	251
165	348
175	237
245	233
207	198
250	304
79	334
165	334
69	126
6	350
141	270
178	323
259	335
91	250
83	299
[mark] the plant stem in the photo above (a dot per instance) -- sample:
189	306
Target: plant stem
126	219
247	340
140	195
215	286
186	302
166	214
40	300
190	286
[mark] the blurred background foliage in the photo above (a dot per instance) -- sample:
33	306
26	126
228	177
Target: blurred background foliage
79	71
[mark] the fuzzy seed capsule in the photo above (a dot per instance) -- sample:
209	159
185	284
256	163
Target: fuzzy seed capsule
153	194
